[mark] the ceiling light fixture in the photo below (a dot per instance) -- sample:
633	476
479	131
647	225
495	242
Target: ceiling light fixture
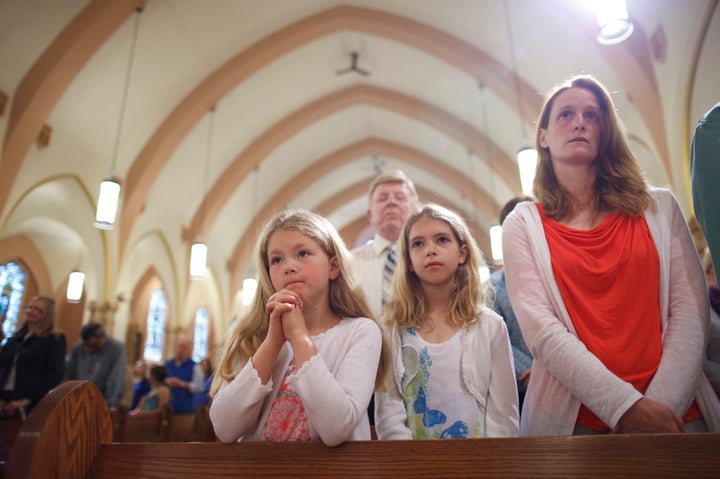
198	251
110	187
526	155
612	18
76	281
495	230
249	286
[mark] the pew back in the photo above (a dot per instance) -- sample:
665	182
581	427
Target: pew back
70	436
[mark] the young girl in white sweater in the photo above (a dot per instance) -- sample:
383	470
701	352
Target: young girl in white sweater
303	362
452	365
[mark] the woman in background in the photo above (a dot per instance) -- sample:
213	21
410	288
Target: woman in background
32	362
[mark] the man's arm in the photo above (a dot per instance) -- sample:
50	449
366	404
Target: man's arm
116	377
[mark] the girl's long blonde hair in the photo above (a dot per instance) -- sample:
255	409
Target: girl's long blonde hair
620	185
406	306
345	295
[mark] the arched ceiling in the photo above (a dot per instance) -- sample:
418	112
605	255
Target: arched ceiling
441	102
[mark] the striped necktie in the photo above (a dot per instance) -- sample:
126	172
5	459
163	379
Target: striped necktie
388	271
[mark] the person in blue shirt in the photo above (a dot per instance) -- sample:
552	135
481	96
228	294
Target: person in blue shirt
185	378
500	302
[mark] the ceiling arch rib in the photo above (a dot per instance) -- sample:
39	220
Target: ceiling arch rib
475	62
42	87
482	201
221	192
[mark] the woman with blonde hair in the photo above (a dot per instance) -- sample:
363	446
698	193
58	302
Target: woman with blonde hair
32	362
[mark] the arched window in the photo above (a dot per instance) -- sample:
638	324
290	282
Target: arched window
12	287
200	341
155	326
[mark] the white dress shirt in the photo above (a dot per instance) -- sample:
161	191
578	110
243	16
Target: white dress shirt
369	262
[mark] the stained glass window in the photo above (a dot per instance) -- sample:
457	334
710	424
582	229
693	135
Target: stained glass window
12	287
155	326
200	341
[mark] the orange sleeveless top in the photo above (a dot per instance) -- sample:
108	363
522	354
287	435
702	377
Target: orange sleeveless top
609	278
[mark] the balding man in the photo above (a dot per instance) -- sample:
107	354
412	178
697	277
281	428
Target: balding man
392	197
184	377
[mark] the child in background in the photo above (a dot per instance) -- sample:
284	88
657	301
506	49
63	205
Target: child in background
453	374
301	365
141	385
159	395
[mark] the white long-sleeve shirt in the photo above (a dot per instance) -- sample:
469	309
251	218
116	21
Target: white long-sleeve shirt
565	374
334	386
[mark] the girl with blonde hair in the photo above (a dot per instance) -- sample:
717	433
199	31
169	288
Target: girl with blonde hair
304	360
453	374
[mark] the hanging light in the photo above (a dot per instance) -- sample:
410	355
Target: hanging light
526	155
198	260
76	280
110	187
527	163
248	290
612	18
250	283
107	203
484	273
198	251
495	239
496	242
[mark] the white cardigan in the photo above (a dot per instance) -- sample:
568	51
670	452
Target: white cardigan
565	374
487	371
335	387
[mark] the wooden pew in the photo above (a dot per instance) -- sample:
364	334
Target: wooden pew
149	426
9	430
69	435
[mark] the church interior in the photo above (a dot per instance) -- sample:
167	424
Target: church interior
210	116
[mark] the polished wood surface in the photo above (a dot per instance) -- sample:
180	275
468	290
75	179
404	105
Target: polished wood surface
62	435
651	456
69	436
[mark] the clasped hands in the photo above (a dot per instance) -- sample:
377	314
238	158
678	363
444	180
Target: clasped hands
287	322
648	416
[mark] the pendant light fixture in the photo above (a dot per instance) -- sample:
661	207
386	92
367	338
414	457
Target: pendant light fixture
198	251
612	18
526	155
110	187
249	285
495	230
76	281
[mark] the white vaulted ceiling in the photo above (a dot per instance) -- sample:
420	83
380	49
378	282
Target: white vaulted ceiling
289	131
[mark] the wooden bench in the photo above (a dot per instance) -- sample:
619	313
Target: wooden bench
161	425
69	435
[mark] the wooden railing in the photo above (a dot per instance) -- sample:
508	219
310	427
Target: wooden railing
69	435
